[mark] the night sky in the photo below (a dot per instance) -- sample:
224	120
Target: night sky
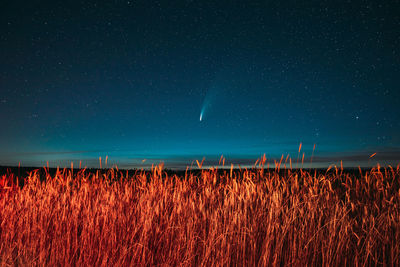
129	80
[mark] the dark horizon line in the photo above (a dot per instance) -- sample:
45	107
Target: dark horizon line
4	169
350	160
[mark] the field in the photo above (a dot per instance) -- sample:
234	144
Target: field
208	217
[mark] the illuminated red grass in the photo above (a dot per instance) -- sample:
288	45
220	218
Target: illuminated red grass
211	218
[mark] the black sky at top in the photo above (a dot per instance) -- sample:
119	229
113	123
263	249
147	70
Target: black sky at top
117	75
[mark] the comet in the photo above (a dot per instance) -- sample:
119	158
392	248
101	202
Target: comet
211	95
203	109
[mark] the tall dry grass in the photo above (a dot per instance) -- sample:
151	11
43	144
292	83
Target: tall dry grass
210	218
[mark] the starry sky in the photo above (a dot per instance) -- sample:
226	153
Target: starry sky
129	80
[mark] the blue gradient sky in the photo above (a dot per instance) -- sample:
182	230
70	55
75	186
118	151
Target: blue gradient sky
128	79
